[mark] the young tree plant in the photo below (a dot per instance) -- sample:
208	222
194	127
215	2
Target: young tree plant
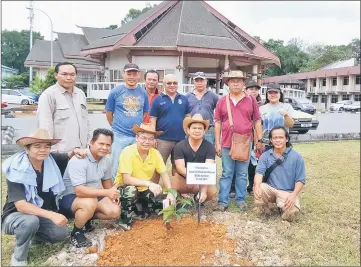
170	211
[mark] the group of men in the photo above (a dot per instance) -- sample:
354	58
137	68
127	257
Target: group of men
80	180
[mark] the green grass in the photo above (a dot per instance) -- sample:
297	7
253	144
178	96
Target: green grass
327	232
96	106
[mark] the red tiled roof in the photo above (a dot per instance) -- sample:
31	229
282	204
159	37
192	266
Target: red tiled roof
315	74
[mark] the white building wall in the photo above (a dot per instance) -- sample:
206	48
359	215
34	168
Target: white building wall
116	60
41	73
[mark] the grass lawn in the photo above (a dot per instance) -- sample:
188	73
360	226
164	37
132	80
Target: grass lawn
328	230
96	106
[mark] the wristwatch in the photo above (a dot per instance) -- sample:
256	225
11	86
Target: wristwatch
261	140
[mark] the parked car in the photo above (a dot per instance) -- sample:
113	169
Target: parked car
302	104
304	122
340	105
26	91
355	106
15	97
4	104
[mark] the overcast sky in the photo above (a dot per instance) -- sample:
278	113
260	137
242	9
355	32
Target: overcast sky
314	22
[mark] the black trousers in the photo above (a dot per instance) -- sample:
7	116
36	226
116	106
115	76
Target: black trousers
251	174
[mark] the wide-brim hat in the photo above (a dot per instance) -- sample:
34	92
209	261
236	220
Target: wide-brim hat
146	128
39	136
234	74
197	118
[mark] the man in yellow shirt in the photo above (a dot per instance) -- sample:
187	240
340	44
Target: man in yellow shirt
140	197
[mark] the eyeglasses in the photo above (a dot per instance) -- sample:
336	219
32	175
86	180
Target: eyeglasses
143	138
171	83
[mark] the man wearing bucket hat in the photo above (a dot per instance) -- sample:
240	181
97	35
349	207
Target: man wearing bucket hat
140	197
194	149
245	115
204	102
33	181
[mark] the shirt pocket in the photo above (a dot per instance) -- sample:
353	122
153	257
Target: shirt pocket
83	110
62	113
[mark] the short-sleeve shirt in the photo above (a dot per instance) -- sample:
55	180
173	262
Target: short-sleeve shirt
16	191
241	114
183	150
128	107
150	100
86	171
204	106
272	118
285	176
170	116
131	163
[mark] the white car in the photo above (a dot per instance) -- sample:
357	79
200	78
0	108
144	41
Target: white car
340	105
15	97
355	106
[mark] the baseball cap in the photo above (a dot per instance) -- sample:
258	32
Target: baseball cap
273	87
130	66
199	75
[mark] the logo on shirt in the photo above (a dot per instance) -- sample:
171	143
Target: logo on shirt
131	105
180	101
162	103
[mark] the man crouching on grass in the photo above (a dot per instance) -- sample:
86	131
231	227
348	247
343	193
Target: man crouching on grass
282	170
140	197
84	198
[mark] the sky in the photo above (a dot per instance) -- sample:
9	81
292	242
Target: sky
322	22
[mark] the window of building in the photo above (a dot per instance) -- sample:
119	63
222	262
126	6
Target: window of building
345	97
116	76
358	79
334	81
323	98
334	98
314	82
314	98
324	82
357	97
84	77
345	80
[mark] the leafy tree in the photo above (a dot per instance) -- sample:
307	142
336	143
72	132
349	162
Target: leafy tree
16	81
112	27
134	13
355	48
15	48
38	85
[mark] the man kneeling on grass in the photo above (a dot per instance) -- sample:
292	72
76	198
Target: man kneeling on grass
280	176
193	149
33	180
140	197
83	198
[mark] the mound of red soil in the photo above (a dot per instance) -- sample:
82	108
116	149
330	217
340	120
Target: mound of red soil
185	244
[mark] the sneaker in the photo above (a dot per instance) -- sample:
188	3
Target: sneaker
242	205
88	227
220	207
15	262
232	195
79	240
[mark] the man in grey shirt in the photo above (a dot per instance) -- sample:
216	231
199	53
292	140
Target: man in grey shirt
204	102
84	198
62	111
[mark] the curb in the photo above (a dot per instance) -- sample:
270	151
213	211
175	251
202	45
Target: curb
322	112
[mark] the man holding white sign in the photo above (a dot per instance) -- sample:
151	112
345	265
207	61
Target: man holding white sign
195	149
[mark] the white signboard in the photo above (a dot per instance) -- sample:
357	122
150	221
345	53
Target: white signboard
201	173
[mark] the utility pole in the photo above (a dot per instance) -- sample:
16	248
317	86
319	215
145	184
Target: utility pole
31	18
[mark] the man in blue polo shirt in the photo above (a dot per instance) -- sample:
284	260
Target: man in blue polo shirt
204	102
167	114
127	105
285	183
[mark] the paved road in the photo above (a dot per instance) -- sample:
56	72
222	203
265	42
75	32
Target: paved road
329	123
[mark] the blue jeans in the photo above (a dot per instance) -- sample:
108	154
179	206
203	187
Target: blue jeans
120	142
231	167
209	136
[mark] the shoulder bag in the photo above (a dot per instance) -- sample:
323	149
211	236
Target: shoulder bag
277	163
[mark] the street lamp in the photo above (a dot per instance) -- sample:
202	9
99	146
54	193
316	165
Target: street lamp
51	34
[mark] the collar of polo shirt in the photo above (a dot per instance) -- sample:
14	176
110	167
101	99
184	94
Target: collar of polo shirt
63	90
90	156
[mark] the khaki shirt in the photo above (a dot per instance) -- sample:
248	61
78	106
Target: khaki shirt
65	117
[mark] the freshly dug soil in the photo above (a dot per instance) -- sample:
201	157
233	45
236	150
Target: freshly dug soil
185	244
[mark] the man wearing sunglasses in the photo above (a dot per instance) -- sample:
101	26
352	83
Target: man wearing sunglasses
167	114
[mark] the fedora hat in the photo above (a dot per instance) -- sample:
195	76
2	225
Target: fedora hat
146	128
39	136
196	118
234	74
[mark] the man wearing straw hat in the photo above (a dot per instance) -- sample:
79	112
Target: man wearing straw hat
194	149
84	197
245	114
140	197
33	181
